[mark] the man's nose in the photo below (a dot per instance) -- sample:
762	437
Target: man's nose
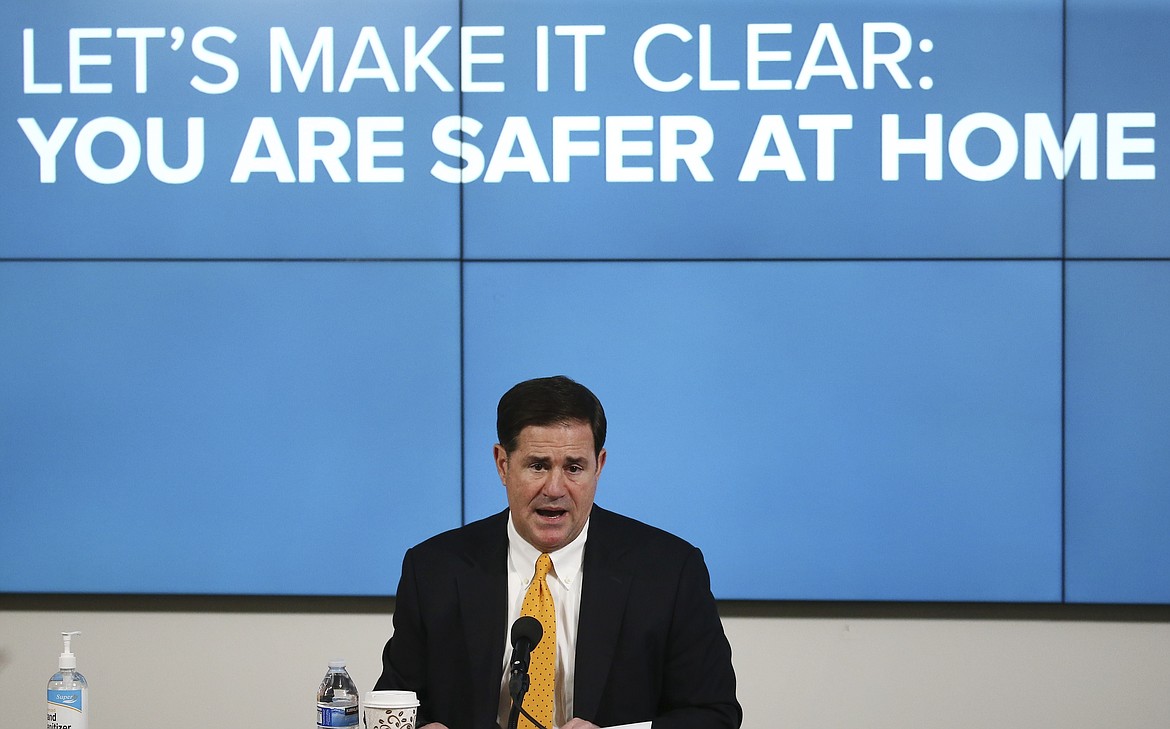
555	484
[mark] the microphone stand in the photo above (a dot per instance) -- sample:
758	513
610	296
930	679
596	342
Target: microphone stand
517	687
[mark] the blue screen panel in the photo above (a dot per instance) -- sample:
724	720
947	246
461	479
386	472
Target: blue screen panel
614	197
297	155
1118	63
1118	419
876	428
877	431
231	428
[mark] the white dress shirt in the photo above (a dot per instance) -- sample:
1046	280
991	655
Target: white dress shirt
564	582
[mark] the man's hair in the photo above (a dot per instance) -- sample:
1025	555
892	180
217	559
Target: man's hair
548	401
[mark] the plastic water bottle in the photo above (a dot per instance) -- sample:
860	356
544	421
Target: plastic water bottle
337	699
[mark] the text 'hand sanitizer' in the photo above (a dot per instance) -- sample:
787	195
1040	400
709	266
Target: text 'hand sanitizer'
68	706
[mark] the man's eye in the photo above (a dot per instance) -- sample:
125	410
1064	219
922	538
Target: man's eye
537	466
575	469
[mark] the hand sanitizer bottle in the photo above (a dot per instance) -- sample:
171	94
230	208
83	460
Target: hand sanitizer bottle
68	706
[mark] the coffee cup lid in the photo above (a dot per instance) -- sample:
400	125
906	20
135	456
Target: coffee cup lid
391	699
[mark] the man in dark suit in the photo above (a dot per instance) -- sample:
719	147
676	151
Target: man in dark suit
637	634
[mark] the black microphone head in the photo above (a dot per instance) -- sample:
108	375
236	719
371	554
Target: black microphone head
527	628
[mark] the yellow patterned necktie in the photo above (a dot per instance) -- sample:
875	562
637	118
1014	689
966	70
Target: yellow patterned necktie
542	669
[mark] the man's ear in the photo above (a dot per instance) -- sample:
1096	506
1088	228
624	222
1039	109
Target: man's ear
501	457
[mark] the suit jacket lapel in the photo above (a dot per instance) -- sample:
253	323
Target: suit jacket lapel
603	603
483	589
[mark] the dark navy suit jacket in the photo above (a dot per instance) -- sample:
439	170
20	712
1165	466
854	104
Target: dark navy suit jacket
650	645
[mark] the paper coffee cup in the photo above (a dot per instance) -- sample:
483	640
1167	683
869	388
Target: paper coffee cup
390	710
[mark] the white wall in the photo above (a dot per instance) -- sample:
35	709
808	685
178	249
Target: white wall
198	663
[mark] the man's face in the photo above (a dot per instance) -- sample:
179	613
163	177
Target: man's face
551	478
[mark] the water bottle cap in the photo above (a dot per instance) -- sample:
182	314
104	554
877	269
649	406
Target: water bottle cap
337	664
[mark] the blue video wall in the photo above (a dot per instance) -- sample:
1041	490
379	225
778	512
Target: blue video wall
875	294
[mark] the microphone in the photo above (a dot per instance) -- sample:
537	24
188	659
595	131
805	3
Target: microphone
526	633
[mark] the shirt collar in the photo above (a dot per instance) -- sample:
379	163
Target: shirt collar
566	561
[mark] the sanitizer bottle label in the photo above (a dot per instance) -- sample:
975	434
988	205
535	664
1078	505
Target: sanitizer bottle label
66	710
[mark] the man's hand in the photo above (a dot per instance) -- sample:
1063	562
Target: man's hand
577	724
434	725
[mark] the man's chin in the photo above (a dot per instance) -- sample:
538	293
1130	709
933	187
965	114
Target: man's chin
552	535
